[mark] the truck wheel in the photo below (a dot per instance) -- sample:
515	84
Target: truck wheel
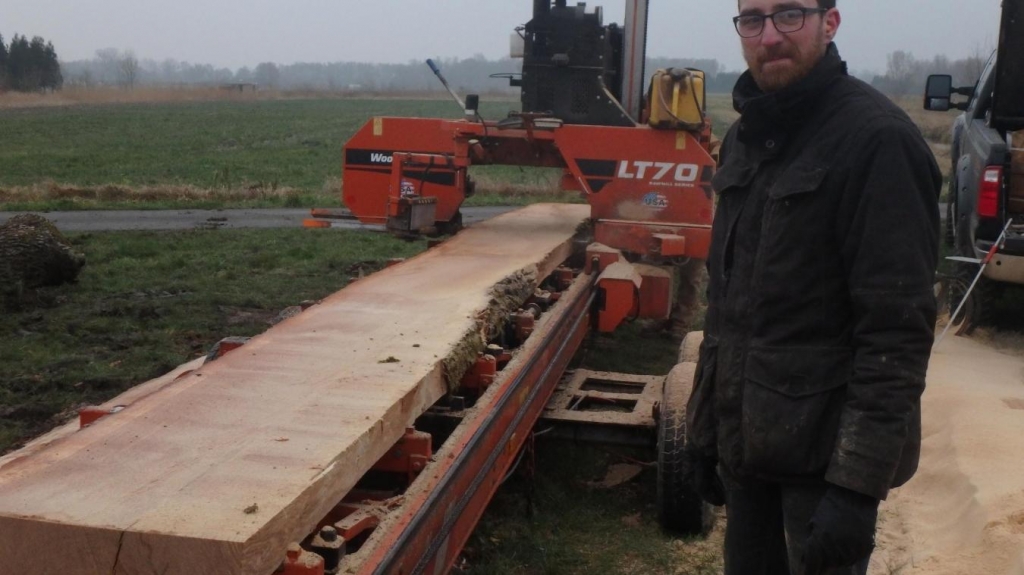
950	234
978	308
680	509
955	288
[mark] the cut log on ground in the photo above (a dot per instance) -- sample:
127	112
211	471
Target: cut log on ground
220	470
34	254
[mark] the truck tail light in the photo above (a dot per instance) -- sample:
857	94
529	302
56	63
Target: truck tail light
988	193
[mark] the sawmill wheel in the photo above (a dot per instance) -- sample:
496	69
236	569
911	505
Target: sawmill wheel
680	509
689	349
452	226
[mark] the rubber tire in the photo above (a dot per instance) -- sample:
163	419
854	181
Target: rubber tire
978	310
949	235
680	510
689	349
954	289
452	226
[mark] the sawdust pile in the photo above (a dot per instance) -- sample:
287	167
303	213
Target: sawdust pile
507	296
963	513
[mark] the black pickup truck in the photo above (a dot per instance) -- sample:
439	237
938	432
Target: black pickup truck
987	181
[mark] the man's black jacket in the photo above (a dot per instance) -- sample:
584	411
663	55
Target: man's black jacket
821	308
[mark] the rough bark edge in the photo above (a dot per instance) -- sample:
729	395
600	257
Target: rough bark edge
506	297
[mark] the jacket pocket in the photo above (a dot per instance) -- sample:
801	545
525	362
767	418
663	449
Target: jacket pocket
797	231
701	422
732	175
792	403
800	178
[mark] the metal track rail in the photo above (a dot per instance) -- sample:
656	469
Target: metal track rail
436	523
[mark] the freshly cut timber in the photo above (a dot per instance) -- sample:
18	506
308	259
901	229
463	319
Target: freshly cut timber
218	471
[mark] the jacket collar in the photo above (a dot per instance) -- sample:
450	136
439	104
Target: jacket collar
776	114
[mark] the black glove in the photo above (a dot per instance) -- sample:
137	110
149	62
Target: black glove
706	482
842	530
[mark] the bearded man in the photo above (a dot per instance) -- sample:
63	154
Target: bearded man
806	403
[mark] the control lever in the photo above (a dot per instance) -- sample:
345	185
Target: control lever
437	72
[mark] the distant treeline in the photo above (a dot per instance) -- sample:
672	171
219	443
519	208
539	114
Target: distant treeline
29	65
109	67
904	74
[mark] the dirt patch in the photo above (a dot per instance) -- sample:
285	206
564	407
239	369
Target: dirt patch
79	96
50	191
1005	341
961	513
700	556
1016	523
97	95
1014	403
237	316
618	474
34	418
362	269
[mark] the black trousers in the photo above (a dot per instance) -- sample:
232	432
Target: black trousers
767	528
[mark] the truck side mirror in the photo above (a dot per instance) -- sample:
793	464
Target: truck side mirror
938	93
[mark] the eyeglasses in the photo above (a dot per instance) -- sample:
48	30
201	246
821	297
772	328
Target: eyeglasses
785	21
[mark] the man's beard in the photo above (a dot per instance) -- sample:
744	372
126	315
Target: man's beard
774	77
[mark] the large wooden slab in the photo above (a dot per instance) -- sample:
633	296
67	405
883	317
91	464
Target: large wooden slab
218	471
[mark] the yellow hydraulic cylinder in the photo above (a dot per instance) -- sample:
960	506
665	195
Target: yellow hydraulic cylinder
676	99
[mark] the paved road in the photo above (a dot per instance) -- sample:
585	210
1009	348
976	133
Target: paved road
118	220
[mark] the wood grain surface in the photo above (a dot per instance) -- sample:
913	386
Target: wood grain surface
219	470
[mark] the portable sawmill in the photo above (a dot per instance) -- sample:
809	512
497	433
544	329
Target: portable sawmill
367	434
638	152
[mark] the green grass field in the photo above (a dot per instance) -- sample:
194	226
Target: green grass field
259	153
283	143
247	153
146	302
250	153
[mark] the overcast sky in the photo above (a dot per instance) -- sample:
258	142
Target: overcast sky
235	33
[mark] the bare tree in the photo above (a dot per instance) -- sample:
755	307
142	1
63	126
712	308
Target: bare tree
900	71
976	62
267	75
129	67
